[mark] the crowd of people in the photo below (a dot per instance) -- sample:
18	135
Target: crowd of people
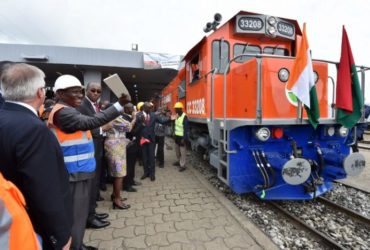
59	153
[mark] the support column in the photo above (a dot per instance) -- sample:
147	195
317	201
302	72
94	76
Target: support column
96	76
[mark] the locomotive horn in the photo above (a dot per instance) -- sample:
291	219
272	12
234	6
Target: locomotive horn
218	17
208	27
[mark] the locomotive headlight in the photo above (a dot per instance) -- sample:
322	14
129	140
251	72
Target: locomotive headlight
271	30
263	134
330	131
283	74
271	20
343	132
315	76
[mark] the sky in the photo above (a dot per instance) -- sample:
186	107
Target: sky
175	26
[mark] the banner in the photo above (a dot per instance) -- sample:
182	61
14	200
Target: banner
161	61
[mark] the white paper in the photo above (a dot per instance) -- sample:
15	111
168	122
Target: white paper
116	85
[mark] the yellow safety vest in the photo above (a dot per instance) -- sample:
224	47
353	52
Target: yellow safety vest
179	125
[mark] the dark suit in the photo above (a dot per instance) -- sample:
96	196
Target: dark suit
132	150
32	159
87	109
1	100
147	131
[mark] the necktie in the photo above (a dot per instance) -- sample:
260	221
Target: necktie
147	120
97	109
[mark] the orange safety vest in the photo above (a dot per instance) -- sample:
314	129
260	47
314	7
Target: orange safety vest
77	147
15	225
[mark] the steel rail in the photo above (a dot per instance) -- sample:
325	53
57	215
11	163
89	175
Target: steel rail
352	213
349	186
327	240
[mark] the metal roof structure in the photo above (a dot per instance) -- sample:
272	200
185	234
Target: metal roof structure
57	60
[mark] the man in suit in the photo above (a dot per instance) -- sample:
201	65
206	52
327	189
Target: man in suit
147	121
90	107
68	124
1	99
31	156
131	151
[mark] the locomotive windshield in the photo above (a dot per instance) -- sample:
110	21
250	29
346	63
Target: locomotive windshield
245	49
276	51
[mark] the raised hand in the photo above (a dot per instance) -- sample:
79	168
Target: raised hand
123	99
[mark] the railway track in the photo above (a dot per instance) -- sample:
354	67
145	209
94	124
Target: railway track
318	231
332	244
349	186
322	234
359	217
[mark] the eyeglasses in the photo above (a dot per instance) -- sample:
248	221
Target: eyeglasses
95	91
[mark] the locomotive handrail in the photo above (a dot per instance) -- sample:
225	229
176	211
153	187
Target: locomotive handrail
213	71
259	87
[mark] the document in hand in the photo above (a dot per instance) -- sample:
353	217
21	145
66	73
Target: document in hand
116	85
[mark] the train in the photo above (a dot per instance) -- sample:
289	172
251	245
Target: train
245	121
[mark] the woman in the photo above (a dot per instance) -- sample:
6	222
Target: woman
115	152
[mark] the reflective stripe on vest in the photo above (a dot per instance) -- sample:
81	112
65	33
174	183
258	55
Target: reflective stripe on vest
77	147
78	153
179	125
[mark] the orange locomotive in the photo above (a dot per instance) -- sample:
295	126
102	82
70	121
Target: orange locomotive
251	128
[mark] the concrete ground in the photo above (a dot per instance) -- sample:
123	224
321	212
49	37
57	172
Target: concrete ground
180	210
362	181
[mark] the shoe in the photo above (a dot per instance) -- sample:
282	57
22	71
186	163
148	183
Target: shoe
161	165
130	189
121	207
103	187
112	198
152	178
96	223
84	247
100	198
136	183
101	216
176	164
144	176
182	169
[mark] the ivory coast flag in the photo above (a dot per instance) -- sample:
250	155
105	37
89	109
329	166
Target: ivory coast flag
301	82
349	101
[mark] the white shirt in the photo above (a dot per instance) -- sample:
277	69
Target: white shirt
26	106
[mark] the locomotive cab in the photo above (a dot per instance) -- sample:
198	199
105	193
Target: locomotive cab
252	129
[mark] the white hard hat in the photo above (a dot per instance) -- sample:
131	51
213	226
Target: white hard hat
66	81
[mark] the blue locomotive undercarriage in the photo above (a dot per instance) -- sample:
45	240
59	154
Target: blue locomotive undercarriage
295	162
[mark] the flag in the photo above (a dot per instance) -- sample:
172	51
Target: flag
349	101
302	83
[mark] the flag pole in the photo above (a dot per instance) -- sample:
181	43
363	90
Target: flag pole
363	92
299	112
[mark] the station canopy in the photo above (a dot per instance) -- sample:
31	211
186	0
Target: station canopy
144	74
